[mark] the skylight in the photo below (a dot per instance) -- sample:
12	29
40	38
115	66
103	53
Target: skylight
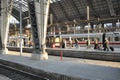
52	1
24	5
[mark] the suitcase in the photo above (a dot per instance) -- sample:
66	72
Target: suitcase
111	48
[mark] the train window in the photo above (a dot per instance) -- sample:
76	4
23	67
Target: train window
117	38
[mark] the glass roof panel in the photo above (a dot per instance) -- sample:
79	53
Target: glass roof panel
52	1
24	4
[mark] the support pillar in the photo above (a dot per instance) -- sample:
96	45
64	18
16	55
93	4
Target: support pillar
68	28
33	18
45	21
88	18
59	30
39	16
0	30
4	26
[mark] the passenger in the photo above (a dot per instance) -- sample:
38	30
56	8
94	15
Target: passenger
24	42
96	46
49	43
63	43
100	47
76	43
70	43
30	43
88	43
106	45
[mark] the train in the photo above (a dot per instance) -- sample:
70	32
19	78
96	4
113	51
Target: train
113	37
54	41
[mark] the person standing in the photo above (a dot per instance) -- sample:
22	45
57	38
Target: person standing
88	43
70	43
63	43
76	43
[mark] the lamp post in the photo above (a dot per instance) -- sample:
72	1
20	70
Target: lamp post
88	18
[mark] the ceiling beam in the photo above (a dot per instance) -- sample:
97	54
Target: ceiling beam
111	9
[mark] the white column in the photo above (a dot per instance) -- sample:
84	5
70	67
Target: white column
3	25
88	18
5	17
21	37
42	10
0	31
46	12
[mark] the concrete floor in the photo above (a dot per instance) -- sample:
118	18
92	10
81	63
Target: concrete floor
90	69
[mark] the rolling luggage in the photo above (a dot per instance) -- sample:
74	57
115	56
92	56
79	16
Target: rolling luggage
111	48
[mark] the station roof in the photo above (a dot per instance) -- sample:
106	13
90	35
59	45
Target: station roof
70	10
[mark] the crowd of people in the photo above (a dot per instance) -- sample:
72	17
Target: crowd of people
17	43
105	45
70	44
74	42
97	45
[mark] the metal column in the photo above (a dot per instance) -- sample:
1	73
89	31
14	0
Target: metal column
21	36
0	29
34	26
39	16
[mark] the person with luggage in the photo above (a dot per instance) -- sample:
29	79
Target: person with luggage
96	46
106	45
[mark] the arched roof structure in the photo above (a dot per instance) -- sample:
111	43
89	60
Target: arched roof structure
69	10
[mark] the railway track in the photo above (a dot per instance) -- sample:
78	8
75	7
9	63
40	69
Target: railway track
15	74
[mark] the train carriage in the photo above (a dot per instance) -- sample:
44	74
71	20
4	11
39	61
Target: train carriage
113	37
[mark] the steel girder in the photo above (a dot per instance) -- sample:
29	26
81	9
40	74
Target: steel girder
34	27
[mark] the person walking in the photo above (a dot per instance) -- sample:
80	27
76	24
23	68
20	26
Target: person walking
96	46
106	45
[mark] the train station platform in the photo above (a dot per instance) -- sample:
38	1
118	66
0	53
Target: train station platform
66	69
81	52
